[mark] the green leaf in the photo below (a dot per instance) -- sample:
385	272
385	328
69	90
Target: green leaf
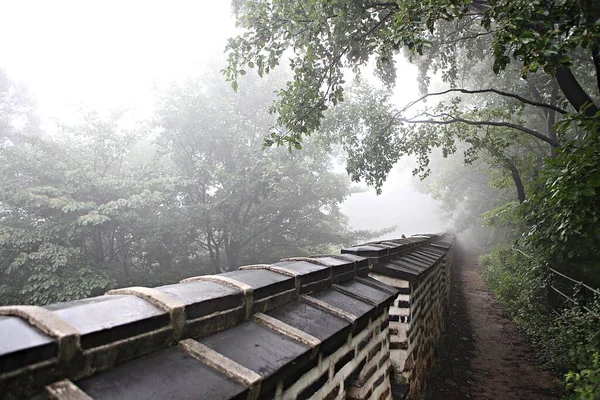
589	192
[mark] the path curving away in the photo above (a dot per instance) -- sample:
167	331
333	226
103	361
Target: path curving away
484	355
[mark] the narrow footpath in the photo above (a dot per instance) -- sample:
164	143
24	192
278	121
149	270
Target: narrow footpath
484	355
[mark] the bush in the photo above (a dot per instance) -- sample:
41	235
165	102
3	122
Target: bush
585	384
565	342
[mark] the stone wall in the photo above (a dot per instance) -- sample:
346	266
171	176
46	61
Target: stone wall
420	312
311	327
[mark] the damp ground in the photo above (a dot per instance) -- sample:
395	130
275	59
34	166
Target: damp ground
484	355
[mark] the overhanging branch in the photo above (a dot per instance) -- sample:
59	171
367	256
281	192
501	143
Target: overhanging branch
573	91
453	120
496	91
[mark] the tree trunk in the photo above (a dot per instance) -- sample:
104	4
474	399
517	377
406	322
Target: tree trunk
573	91
591	11
232	251
123	252
551	118
517	180
214	258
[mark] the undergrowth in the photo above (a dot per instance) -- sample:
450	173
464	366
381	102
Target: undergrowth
568	342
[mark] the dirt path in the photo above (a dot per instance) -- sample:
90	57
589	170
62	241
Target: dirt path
484	355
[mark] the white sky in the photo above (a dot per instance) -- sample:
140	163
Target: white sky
108	53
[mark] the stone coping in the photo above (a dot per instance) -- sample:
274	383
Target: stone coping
263	323
408	258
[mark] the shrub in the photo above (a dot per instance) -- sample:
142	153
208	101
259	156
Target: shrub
567	340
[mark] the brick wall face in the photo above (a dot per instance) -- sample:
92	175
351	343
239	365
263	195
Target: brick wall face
418	319
358	370
429	309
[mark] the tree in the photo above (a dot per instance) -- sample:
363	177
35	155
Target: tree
17	111
563	213
102	205
376	134
77	219
245	204
326	38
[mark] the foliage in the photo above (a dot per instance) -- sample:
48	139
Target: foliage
17	111
516	281
245	204
585	384
376	134
565	342
563	213
74	220
100	205
327	37
506	219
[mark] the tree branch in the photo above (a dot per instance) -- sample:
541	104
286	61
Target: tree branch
496	91
596	58
453	120
573	91
474	36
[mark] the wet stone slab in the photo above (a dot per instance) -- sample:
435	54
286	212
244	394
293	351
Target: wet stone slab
339	267
106	319
331	330
356	258
430	258
363	311
204	298
442	245
270	354
421	264
264	282
407	265
367	250
333	261
22	344
168	374
397	270
432	248
310	272
380	296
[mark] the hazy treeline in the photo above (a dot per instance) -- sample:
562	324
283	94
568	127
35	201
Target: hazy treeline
109	201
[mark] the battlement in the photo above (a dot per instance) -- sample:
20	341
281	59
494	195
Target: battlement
309	327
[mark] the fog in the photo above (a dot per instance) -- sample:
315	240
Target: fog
110	53
115	54
127	159
399	205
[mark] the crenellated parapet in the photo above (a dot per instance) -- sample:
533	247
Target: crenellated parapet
309	327
420	271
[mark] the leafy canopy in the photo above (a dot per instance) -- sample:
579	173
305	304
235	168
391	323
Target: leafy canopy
325	38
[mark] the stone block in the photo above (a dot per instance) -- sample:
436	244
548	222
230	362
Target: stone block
107	319
331	330
22	344
312	276
363	311
204	298
168	374
269	353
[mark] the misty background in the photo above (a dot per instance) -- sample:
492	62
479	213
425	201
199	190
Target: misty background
132	145
118	54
